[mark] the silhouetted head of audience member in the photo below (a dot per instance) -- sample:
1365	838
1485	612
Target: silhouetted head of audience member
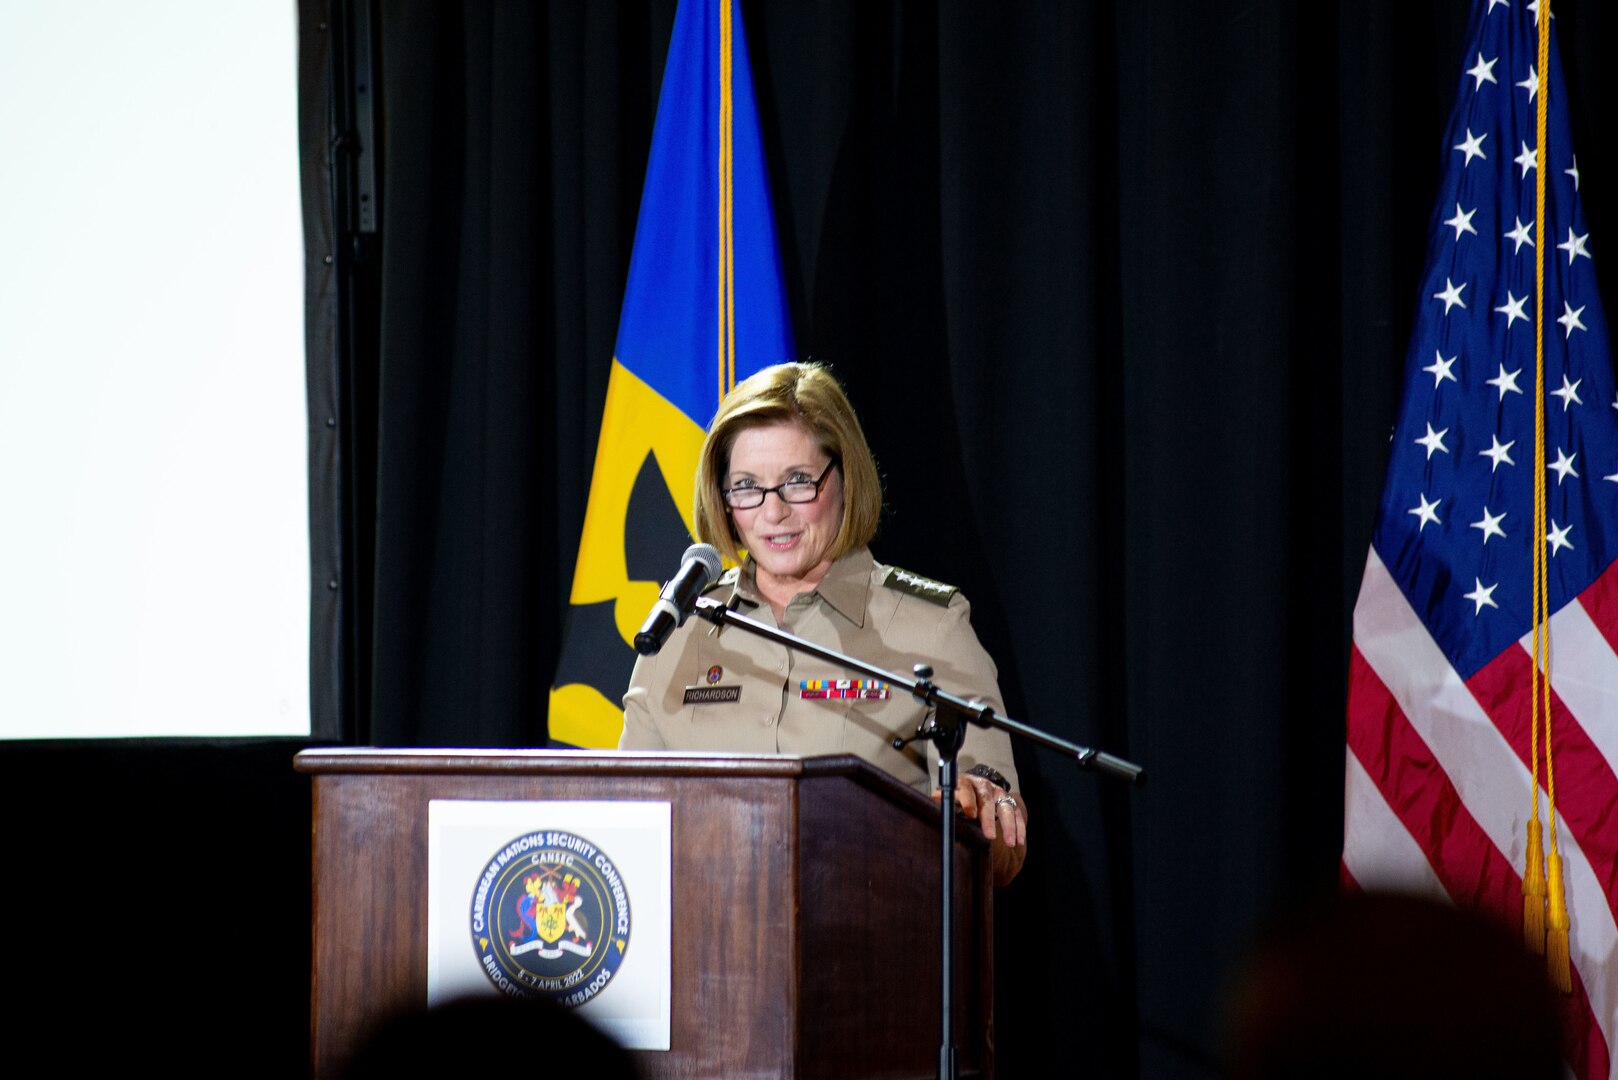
1389	986
479	1036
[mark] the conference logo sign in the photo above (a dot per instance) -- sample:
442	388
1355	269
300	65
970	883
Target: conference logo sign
550	918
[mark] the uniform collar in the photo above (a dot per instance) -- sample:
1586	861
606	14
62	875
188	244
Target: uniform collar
846	586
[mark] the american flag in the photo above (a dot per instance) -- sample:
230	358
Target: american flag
1438	786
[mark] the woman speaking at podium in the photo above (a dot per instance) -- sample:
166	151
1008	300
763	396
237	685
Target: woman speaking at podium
786	475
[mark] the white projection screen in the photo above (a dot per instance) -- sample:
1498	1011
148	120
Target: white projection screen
154	520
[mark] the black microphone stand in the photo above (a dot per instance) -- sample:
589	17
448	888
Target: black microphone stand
945	727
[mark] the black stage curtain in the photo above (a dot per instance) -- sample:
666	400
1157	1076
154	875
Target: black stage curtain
1122	292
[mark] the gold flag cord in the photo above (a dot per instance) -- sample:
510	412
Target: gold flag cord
727	209
1545	917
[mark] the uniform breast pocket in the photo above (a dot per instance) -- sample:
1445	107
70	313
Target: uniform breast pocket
873	724
816	718
731	707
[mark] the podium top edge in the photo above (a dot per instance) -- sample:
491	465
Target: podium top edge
338	760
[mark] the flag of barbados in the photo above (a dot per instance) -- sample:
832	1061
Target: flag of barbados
703	308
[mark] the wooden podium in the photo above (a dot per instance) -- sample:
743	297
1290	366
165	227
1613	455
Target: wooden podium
805	911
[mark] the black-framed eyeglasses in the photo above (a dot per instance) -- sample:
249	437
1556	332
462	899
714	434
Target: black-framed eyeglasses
793	491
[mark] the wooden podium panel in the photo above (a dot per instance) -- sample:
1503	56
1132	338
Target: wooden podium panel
809	949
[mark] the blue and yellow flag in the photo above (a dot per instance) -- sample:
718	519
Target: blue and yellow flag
704	308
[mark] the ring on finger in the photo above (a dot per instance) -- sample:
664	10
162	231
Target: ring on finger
1006	800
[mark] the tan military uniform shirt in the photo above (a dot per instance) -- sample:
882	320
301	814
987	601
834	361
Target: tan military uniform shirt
724	689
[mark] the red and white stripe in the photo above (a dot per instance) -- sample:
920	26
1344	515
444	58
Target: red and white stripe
1438	781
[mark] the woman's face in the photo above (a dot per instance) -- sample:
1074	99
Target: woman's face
787	541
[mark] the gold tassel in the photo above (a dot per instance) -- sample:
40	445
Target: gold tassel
1533	892
1551	939
1556	948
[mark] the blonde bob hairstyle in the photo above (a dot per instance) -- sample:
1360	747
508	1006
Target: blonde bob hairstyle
804	394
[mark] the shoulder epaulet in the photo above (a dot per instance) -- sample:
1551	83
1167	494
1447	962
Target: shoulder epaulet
926	588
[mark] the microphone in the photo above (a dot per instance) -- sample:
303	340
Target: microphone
698	567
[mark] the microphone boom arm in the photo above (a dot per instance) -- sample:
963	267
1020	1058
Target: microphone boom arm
923	690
